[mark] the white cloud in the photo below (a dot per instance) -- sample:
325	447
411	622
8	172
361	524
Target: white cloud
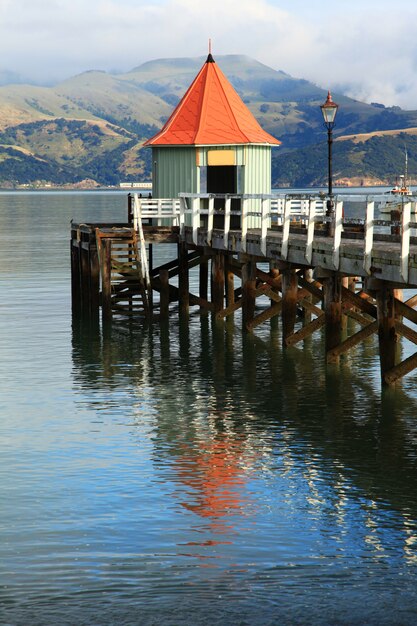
362	45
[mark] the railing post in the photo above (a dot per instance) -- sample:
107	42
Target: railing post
210	219
286	228
310	230
195	204
369	236
244	223
265	219
183	207
337	234
405	240
227	207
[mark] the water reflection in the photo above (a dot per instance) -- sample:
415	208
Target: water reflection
231	408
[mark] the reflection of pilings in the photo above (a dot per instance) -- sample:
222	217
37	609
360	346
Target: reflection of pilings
85	275
289	303
248	291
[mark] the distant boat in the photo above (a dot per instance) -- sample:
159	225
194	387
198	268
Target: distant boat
401	190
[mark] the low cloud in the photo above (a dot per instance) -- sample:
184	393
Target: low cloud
366	49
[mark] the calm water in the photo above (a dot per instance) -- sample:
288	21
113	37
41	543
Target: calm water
189	474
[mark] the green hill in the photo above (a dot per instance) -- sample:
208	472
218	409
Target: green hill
93	125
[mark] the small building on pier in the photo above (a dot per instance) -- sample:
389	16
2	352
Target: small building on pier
211	143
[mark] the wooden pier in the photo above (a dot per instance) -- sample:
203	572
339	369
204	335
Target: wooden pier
278	248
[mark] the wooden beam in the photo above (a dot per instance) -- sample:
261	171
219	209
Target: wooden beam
403	309
306	331
230	309
391	376
266	315
406	331
360	301
353	340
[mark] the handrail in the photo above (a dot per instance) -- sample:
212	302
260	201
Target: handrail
263	211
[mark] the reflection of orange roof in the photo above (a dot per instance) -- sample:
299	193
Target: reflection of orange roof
211	113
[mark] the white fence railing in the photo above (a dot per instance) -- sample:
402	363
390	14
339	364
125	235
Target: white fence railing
263	212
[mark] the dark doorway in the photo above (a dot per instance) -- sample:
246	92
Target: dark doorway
224	179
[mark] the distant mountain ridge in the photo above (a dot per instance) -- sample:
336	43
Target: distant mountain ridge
93	125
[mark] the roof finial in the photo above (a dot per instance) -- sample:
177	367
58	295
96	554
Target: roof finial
210	57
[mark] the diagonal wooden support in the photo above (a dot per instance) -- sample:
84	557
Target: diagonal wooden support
391	376
230	309
306	331
353	340
266	315
360	301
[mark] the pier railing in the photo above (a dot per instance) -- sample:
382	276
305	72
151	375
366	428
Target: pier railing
370	218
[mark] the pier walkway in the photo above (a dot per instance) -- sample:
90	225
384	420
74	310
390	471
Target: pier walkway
358	272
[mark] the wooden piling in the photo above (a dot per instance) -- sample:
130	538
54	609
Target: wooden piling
289	303
94	278
387	336
230	281
164	293
106	279
183	279
248	292
203	278
332	301
217	281
75	276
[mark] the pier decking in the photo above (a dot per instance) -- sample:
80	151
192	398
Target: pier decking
358	272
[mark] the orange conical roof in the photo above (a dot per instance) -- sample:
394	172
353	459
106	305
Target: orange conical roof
211	113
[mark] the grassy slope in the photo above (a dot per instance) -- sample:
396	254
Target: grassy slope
115	113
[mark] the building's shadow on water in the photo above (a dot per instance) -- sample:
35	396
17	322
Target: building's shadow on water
220	395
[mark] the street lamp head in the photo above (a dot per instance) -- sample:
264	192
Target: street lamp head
329	110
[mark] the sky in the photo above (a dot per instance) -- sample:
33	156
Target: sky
366	49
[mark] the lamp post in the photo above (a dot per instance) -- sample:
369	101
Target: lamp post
329	110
